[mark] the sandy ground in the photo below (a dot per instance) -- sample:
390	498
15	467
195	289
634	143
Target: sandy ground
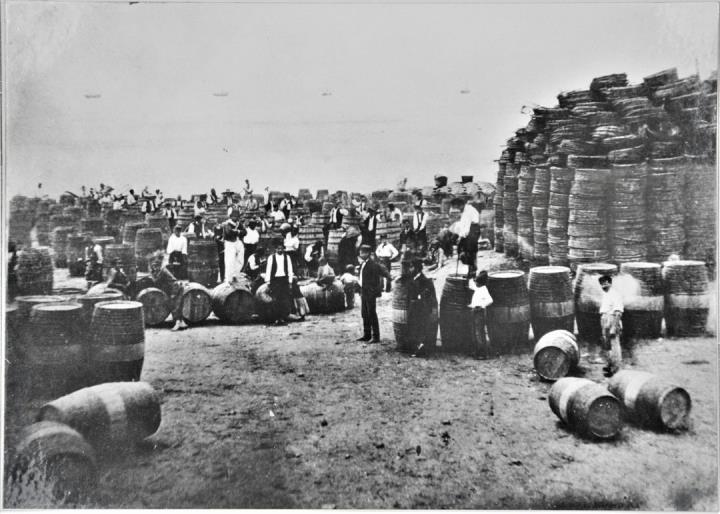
304	416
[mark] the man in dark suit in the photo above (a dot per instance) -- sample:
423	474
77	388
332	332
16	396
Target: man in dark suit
371	284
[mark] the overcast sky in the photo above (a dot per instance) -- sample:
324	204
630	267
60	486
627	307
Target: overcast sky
336	96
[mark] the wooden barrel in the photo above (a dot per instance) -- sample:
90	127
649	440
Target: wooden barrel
52	461
117	347
643	312
95	226
147	242
89	301
508	317
156	305
334	238
324	300
35	271
111	416
556	353
310	234
405	323
318	218
159	221
456	329
687	297
586	407
233	303
203	262
196	303
588	295
130	231
551	300
322	195
263	303
58	238
125	254
26	303
56	348
143	281
75	254
651	400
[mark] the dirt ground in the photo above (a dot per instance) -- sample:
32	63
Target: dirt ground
304	416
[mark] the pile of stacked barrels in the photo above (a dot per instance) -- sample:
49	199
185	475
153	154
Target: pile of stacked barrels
510	205
526	180
558	215
540	205
498	205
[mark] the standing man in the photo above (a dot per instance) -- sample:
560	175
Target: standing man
177	253
419	222
313	254
199	228
371	287
94	267
407	237
218	230
252	238
171	214
469	232
386	253
279	274
370	228
336	218
422	308
611	311
234	250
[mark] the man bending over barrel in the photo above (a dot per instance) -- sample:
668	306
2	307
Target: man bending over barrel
611	310
164	280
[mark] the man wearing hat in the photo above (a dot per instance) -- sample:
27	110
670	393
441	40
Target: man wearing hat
422	306
177	253
370	227
419	223
233	233
371	286
279	275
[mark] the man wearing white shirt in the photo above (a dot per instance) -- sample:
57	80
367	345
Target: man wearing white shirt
386	253
177	253
419	223
279	274
394	214
233	233
611	311
199	228
251	239
469	232
170	214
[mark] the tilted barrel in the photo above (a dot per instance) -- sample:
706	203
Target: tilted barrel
196	303
508	317
586	407
556	353
233	303
687	297
456	328
643	311
156	305
324	300
588	295
111	415
651	400
117	334
551	300
51	460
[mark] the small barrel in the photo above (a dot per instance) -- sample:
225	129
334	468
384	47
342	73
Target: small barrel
35	271
643	312
55	348
400	317
203	262
456	327
334	238
156	305
586	407
588	295
233	303
130	231
687	297
509	314
147	242
196	303
551	300
95	226
324	300
652	400
111	416
117	347
89	301
556	353
52	460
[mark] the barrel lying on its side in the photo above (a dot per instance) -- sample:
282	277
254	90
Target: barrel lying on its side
586	407
556	353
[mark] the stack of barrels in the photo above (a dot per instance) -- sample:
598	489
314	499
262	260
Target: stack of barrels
508	317
148	241
455	316
392	229
95	226
587	220
540	203
664	208
626	232
526	180
687	297
699	222
498	207
643	312
558	214
510	205
552	306
203	265
310	233
35	271
20	222
588	296
43	228
125	255
59	240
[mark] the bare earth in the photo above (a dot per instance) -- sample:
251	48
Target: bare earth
304	416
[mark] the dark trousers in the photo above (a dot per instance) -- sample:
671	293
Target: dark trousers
221	259
282	304
368	306
386	263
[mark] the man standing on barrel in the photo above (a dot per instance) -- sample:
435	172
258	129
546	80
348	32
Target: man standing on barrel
371	287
